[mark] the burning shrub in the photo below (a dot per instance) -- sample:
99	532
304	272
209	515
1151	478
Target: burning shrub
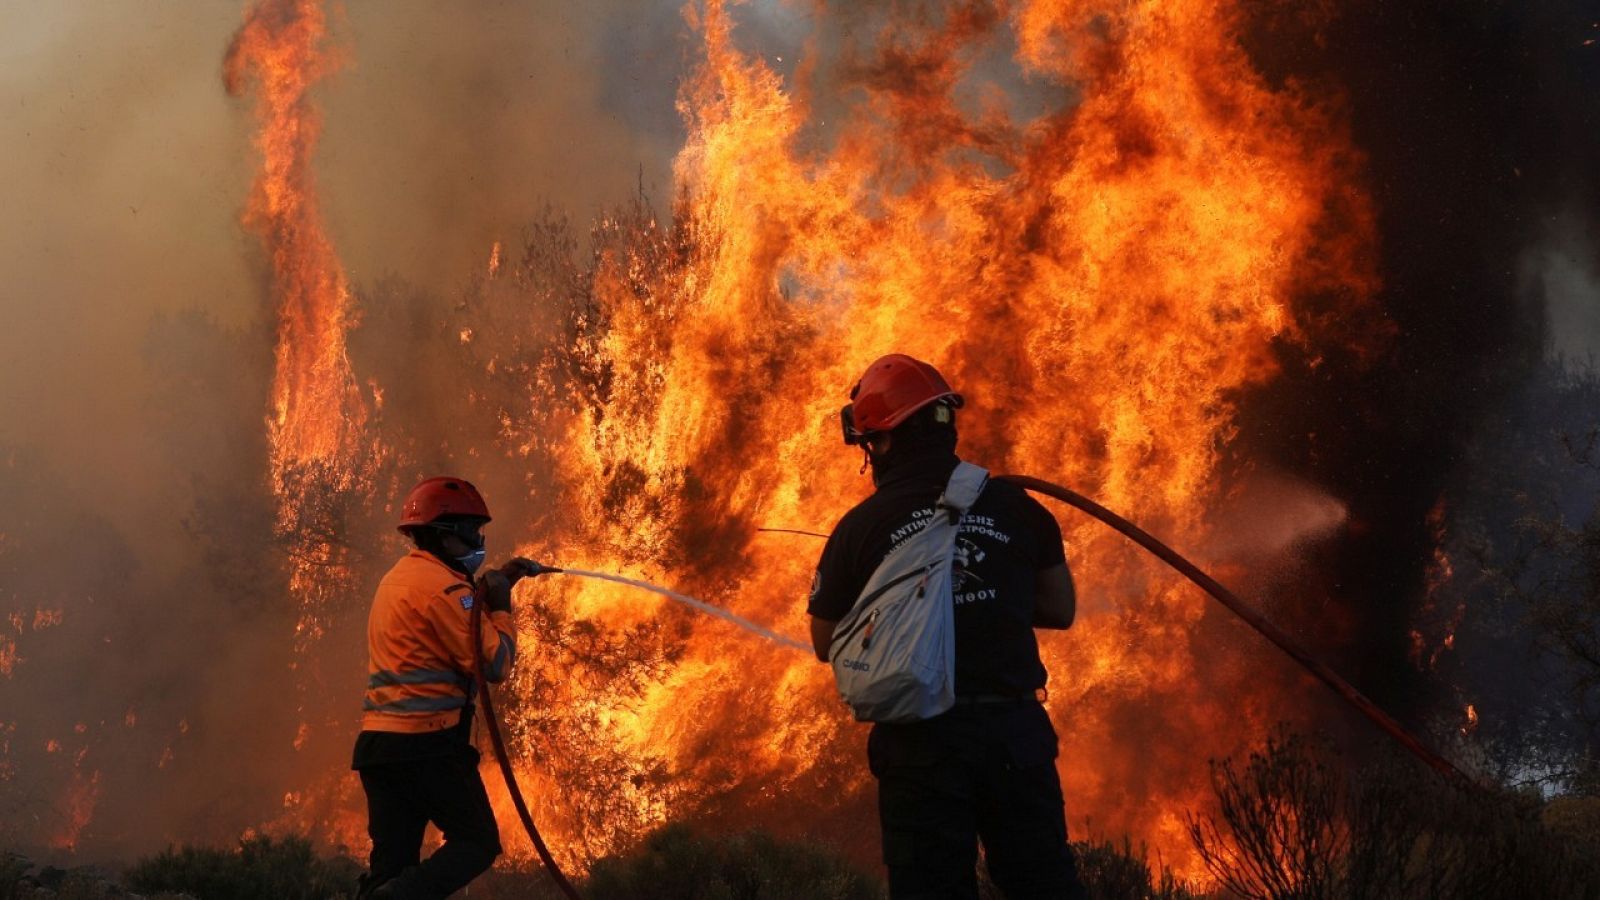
260	869
675	862
1284	837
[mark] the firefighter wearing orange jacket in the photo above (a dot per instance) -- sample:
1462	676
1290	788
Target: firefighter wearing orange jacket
415	753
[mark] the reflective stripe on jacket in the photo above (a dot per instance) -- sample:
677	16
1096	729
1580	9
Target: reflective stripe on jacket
419	647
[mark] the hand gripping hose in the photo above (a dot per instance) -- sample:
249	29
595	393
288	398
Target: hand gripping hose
1254	619
503	757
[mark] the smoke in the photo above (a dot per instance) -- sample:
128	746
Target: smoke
146	636
122	169
1478	126
1563	270
455	124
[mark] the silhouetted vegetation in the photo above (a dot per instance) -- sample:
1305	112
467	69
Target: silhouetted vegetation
258	869
675	863
1293	825
1116	872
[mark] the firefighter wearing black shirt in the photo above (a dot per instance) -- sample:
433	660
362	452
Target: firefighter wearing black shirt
985	770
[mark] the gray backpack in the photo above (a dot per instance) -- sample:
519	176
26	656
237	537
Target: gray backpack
894	652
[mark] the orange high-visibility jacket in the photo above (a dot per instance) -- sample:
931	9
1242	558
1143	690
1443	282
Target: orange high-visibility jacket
419	647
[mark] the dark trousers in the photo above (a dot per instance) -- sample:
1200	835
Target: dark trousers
403	797
981	772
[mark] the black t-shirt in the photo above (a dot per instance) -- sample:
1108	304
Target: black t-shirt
1005	539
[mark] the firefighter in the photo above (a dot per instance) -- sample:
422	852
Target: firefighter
415	753
985	770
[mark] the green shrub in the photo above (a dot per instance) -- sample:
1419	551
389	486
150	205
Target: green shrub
675	863
260	869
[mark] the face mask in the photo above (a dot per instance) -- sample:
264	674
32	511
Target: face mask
472	560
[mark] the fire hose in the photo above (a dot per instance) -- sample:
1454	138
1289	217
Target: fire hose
504	758
1252	618
1171	557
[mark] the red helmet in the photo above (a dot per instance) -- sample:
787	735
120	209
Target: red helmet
888	393
440	496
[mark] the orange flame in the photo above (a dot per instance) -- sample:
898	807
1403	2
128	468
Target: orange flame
318	417
317	413
1101	280
83	793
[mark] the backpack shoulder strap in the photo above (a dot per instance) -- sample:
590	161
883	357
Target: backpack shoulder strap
966	483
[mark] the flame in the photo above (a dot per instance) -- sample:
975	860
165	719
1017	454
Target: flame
1102	279
317	412
83	793
317	415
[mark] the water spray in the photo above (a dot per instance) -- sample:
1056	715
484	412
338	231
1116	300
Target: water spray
1254	619
698	604
815	534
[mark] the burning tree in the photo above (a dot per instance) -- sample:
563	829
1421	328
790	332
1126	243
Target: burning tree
1105	277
